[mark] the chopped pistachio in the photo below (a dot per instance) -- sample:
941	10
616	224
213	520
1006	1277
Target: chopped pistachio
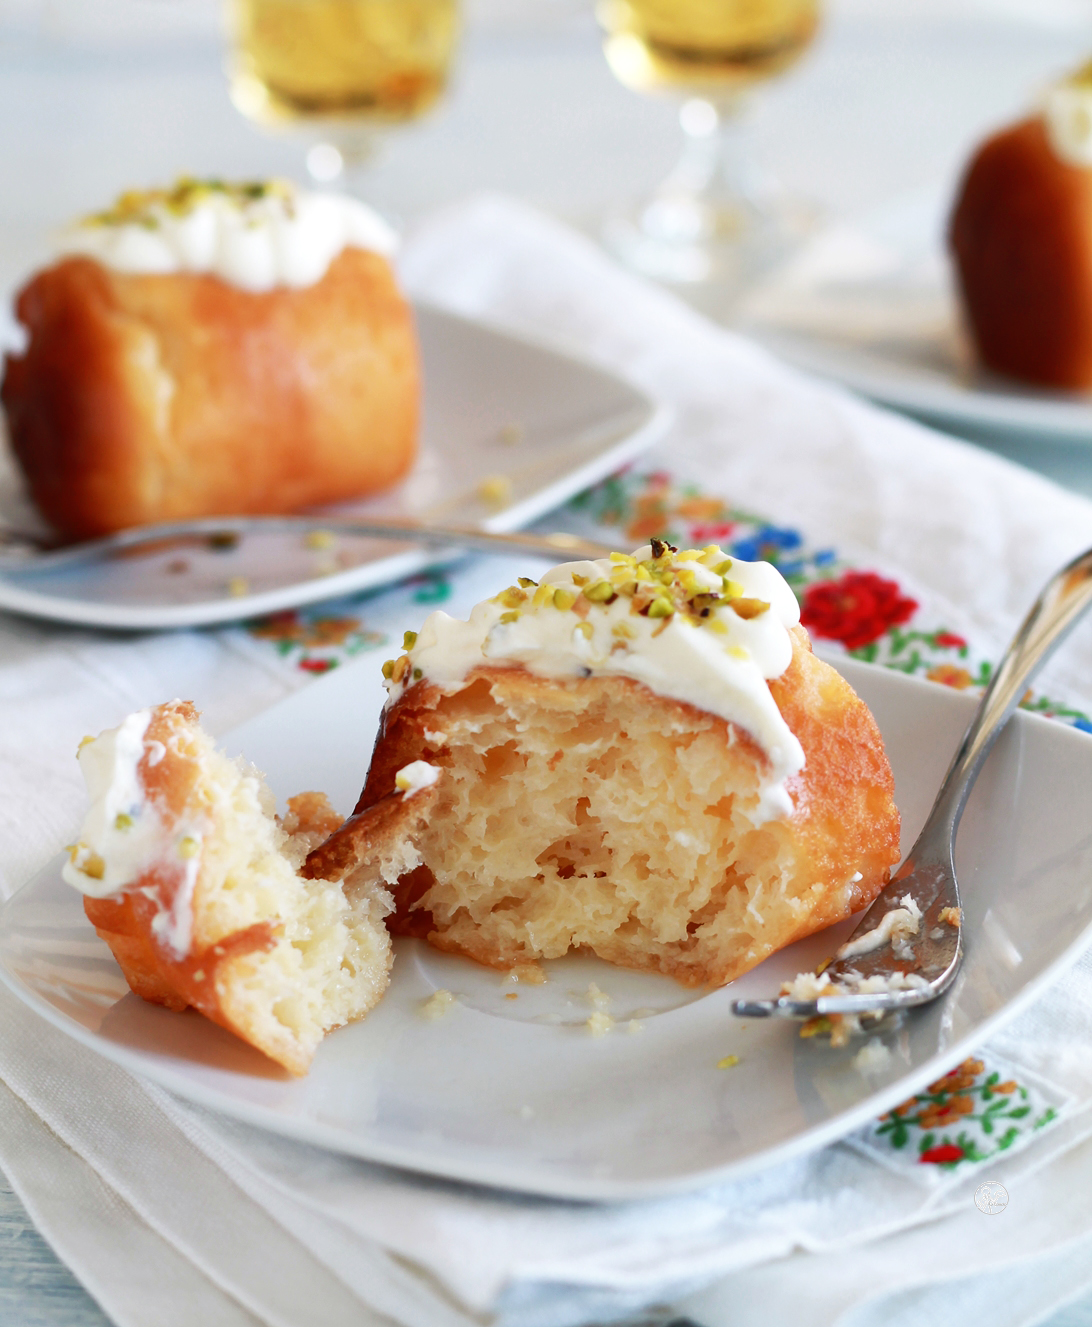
527	582
543	595
729	1062
189	847
388	669
732	589
512	597
409	640
513	615
123	821
585	629
564	599
749	608
661	608
579	581
601	592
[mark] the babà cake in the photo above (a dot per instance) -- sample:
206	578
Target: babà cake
195	885
638	757
213	349
1021	237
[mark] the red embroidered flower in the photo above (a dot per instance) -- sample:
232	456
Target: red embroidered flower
712	532
948	640
856	609
937	1156
317	665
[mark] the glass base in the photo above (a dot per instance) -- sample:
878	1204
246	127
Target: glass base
714	223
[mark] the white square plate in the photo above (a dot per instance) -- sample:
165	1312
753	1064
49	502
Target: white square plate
517	1093
496	407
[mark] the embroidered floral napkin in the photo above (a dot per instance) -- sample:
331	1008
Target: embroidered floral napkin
907	549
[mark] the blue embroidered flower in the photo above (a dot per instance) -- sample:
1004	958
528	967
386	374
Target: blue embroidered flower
766	544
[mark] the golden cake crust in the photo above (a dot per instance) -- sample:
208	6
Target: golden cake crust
144	398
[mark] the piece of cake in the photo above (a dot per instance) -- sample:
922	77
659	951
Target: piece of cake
212	350
639	757
1021	237
194	884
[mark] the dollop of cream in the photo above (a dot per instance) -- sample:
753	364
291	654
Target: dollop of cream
895	928
1067	115
121	833
696	626
256	237
123	836
415	777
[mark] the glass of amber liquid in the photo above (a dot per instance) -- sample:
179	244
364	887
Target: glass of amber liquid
711	221
342	71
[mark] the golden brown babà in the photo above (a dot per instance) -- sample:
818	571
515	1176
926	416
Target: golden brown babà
204	906
144	398
1021	236
591	813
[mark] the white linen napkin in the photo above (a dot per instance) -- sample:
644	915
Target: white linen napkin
170	1214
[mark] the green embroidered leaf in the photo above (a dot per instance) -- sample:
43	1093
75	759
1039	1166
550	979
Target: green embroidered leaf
1008	1138
1018	1113
1049	1114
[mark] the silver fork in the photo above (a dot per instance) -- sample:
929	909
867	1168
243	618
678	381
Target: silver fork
930	958
25	551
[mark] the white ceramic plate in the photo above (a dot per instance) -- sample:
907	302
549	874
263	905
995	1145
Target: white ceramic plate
871	304
495	407
517	1093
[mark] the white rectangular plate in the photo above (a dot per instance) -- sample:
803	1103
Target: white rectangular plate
872	304
496	407
517	1093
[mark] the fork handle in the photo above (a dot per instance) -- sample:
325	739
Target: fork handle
1053	616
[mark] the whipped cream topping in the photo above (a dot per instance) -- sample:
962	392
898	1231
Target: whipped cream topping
1067	114
123	835
256	237
896	927
415	777
696	626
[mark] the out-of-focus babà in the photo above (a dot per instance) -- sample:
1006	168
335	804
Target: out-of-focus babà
213	349
1021	238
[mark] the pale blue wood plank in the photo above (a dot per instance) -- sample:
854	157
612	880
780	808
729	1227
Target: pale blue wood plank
36	1288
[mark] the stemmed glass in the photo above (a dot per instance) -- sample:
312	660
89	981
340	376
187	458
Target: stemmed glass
342	71
715	220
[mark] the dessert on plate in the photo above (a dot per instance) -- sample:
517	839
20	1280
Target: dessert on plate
639	757
213	349
1021	237
194	884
